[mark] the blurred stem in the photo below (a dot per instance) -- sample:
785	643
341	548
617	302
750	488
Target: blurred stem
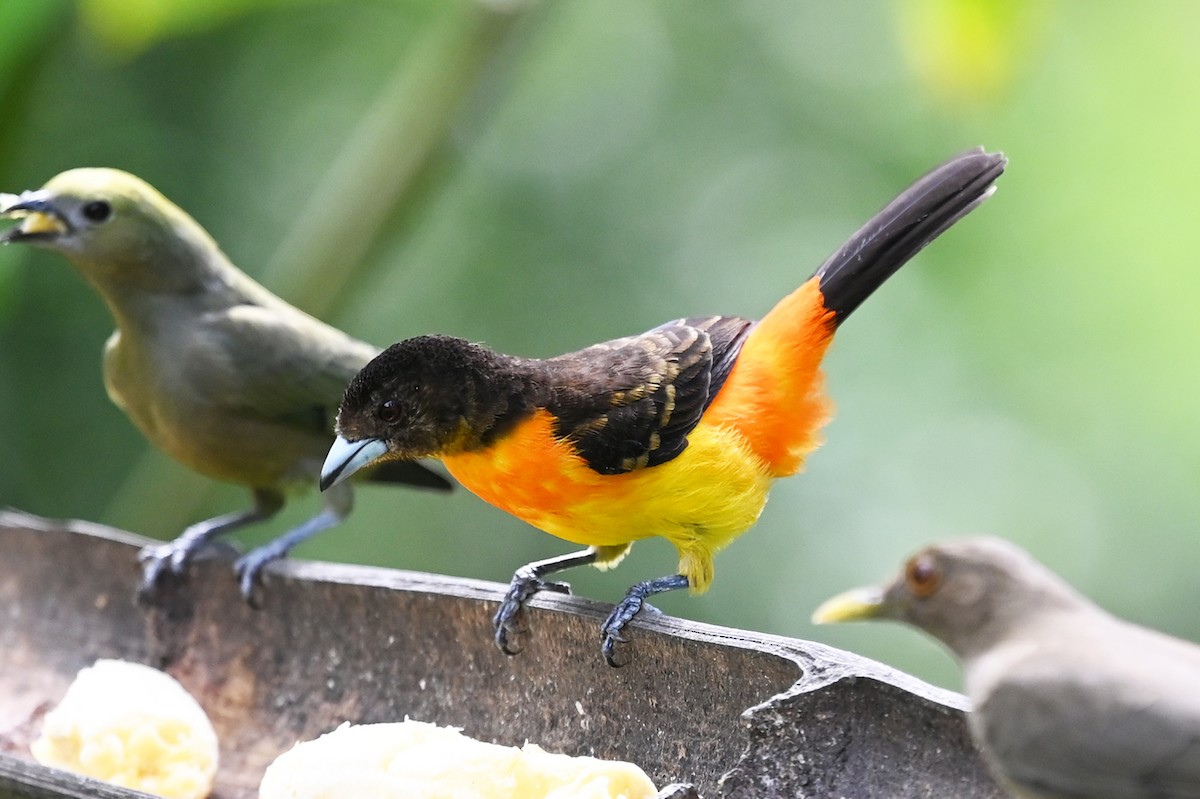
383	157
372	174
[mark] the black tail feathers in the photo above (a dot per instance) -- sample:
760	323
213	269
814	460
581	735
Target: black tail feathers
918	216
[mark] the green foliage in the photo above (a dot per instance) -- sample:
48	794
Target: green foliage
129	27
548	177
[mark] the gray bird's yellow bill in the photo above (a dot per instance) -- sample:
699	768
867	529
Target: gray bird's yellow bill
855	605
347	457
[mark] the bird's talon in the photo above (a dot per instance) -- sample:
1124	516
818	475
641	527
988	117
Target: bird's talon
609	650
156	561
525	584
152	571
501	639
249	574
506	615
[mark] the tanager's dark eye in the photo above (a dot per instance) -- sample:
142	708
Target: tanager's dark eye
97	211
389	411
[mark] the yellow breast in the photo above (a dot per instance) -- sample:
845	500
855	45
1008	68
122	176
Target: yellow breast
699	501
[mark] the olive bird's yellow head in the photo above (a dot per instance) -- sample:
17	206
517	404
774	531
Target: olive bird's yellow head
111	225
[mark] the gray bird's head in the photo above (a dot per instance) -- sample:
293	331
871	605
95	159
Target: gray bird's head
969	594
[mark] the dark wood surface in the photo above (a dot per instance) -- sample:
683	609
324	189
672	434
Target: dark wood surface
736	713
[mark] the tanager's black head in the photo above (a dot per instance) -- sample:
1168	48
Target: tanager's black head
423	397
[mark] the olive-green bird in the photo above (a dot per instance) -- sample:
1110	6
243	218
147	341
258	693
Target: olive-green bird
215	370
1070	702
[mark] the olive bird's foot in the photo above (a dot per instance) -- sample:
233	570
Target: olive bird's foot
628	608
525	583
170	558
158	560
248	569
173	556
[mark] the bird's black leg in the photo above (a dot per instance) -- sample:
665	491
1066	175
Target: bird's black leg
629	607
339	501
172	556
525	583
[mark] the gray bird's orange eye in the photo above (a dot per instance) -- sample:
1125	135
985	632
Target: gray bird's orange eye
922	575
389	411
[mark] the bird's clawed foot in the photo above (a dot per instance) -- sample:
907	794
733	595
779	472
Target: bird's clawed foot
169	558
172	558
629	607
610	632
248	569
158	560
525	583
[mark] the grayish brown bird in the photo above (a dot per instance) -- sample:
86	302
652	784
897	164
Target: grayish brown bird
1070	702
215	370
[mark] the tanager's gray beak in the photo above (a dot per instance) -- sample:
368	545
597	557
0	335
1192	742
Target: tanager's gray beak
41	218
347	457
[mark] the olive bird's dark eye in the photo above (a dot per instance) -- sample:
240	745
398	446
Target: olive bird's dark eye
389	411
97	211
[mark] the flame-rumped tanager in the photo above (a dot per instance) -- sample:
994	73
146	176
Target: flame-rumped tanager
677	432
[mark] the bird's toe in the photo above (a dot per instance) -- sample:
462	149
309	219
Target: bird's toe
608	648
502	639
248	570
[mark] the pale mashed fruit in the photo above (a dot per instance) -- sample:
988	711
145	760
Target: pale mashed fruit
133	726
415	760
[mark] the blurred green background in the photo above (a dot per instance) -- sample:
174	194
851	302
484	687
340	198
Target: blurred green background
544	176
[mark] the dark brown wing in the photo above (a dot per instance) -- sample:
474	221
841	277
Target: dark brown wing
630	403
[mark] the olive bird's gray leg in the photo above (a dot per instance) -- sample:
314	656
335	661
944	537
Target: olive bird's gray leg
173	556
339	501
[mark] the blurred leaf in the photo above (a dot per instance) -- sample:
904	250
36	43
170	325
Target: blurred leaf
127	27
371	176
23	26
969	50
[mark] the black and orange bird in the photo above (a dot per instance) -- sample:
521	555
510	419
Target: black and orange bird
677	432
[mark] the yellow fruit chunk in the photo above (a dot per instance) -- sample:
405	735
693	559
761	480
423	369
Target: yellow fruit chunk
415	760
133	726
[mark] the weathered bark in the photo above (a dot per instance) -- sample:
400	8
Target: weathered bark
738	714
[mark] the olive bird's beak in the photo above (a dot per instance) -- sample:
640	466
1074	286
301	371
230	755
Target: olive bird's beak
347	457
42	219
